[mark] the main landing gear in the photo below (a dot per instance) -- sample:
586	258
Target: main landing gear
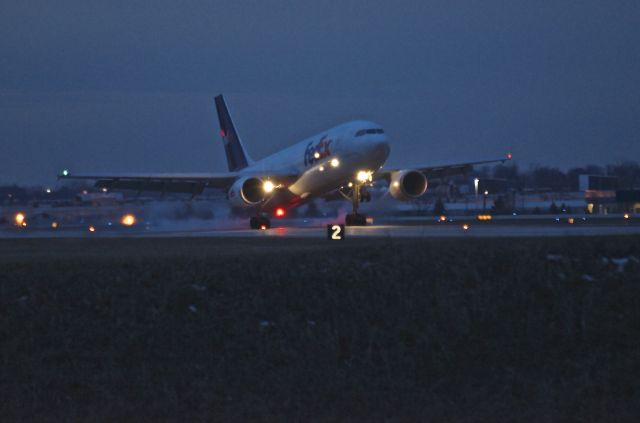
357	195
260	222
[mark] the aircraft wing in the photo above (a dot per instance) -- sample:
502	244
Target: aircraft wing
442	171
190	183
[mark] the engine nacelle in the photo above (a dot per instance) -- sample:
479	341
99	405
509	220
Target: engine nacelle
247	192
407	185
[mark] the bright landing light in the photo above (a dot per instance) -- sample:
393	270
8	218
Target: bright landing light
363	176
268	187
335	162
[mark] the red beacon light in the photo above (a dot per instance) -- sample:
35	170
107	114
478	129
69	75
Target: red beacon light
509	156
280	212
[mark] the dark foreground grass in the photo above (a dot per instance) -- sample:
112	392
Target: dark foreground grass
304	330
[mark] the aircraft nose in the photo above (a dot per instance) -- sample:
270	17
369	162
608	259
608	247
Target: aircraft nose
381	149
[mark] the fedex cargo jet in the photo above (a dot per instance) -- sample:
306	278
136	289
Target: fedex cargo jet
342	161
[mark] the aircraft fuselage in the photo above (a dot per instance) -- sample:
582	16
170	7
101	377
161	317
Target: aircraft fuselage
329	160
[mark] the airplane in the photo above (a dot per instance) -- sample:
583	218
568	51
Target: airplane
340	162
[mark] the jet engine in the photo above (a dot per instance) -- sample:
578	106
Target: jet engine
407	185
246	192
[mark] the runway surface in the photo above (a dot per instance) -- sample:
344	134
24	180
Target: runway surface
446	230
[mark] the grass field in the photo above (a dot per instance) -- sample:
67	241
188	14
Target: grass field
364	330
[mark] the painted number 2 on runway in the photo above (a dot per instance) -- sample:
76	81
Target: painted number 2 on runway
335	232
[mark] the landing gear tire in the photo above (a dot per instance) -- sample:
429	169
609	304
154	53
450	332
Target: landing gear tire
259	223
355	219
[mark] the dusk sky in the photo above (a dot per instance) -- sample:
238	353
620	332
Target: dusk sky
111	86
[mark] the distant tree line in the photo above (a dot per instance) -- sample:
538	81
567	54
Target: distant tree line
555	179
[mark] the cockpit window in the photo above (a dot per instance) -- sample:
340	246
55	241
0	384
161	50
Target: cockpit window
369	131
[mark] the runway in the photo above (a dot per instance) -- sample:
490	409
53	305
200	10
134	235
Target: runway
319	230
430	231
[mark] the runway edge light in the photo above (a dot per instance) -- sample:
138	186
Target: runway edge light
20	218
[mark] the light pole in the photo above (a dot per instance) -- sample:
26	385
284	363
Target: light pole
484	201
476	183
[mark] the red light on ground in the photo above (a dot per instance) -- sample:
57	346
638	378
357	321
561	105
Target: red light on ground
509	156
222	134
280	212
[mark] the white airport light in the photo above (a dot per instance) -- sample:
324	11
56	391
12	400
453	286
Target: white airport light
92	228
350	184
486	193
48	190
268	187
321	168
335	162
65	172
363	176
316	155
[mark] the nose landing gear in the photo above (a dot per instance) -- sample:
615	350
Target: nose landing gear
357	195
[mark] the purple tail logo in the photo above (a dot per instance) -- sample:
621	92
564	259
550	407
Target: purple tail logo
314	153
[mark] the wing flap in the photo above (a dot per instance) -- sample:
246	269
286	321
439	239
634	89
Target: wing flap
177	183
443	171
192	187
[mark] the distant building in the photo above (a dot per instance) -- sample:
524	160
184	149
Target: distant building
597	183
599	193
492	185
628	200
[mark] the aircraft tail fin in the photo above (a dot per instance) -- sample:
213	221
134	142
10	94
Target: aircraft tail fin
237	158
